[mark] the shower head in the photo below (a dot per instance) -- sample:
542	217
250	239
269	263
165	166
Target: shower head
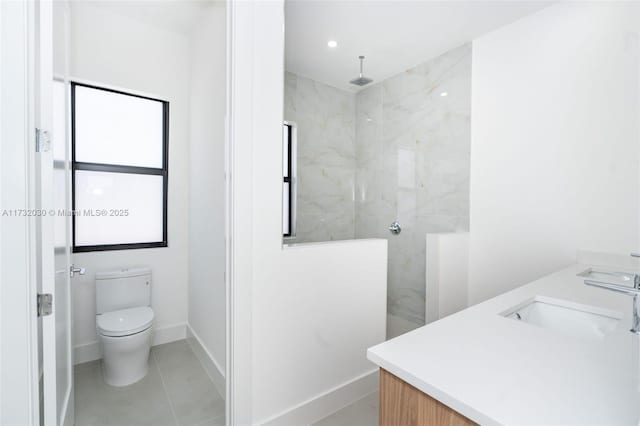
361	80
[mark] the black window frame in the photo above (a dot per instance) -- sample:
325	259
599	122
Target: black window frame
116	168
287	179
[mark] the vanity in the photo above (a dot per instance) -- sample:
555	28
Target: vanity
554	351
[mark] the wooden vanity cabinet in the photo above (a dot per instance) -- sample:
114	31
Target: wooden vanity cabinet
403	405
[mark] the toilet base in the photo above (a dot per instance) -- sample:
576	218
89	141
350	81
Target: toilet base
125	360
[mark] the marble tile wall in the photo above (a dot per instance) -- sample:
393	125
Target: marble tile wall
412	165
325	117
396	150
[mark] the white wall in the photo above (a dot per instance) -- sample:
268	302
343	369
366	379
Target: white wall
302	316
316	308
206	183
115	50
554	152
447	259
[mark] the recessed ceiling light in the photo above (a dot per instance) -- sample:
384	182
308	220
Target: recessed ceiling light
443	94
332	43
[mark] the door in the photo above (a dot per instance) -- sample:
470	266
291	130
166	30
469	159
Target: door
19	371
36	384
53	236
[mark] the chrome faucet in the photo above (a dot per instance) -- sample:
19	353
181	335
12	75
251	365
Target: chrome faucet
624	289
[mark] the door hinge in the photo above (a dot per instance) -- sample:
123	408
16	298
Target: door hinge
43	140
45	304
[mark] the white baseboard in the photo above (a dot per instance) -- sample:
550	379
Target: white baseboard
91	351
70	413
210	364
169	334
328	402
86	352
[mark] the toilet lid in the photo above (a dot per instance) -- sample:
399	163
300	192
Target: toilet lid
124	322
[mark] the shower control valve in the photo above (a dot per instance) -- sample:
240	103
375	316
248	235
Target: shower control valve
395	228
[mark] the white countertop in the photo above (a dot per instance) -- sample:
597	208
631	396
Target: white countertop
496	370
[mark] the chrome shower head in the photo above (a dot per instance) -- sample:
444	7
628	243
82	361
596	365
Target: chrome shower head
361	80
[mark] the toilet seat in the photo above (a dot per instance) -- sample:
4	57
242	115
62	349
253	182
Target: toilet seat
124	322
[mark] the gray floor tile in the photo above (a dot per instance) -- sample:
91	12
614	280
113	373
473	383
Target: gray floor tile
193	396
218	421
143	403
361	413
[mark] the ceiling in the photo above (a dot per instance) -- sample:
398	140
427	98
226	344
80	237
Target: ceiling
171	15
393	35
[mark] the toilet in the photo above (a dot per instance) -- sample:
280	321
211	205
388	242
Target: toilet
124	323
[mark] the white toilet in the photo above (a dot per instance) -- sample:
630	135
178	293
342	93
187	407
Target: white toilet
124	323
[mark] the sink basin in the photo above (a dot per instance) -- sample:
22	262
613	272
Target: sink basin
564	317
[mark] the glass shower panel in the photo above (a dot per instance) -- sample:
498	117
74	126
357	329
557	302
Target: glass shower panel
412	166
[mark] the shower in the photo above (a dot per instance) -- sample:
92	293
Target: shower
392	151
361	80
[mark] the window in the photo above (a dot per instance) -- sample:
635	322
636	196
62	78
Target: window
289	180
119	169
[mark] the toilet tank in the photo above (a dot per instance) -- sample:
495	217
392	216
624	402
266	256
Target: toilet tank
122	289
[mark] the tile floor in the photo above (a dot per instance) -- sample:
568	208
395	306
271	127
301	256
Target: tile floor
361	413
177	391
